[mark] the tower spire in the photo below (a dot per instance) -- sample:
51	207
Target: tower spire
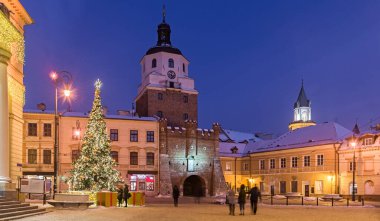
163	13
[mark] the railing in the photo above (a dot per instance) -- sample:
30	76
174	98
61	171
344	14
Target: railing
310	201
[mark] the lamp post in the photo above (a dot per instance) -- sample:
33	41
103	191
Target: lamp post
353	144
58	78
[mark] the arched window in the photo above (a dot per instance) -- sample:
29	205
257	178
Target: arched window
183	68
154	63
150	159
171	63
115	156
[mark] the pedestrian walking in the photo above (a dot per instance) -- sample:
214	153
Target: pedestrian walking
241	199
198	194
255	195
175	195
120	196
231	201
126	195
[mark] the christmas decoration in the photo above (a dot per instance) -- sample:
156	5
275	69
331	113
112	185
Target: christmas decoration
11	39
94	169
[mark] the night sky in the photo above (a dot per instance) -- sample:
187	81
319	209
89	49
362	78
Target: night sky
247	59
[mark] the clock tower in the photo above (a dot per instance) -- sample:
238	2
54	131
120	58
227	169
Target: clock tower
166	90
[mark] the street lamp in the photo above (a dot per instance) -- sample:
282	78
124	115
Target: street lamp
59	78
353	145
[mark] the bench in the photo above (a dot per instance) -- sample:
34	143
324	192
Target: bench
71	201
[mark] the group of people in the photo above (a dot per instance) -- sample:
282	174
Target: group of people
123	194
254	193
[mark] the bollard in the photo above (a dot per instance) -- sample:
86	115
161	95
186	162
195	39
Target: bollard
287	200
332	201
271	200
302	201
348	202
362	201
317	201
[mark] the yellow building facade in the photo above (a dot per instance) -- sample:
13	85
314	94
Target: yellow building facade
13	18
303	161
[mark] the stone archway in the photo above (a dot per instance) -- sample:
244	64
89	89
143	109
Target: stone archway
194	186
369	187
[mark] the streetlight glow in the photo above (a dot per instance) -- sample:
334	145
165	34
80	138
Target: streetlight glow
53	76
67	92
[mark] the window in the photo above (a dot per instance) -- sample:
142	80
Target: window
318	186
262	164
306	161
32	129
190	165
171	84
245	166
160	114
319	160
134	136
272	163
368	141
294	186
283	162
47	130
74	155
47	156
228	166
154	63
262	187
150	136
32	156
185	99
134	158
282	187
294	162
183	68
171	63
160	96
114	134
150	159
76	133
185	116
115	156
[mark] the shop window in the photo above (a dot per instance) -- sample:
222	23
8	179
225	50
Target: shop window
114	134
47	130
150	159
171	63
150	136
134	136
149	183
134	158
32	129
32	156
47	156
141	186
115	156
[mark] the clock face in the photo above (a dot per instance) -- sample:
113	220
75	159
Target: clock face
171	74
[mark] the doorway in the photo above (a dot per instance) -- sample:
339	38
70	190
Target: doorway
194	186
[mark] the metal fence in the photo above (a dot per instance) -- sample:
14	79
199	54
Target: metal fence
310	201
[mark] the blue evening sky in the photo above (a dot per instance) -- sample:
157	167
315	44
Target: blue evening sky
247	57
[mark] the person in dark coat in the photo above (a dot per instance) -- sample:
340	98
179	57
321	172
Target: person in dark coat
255	195
241	199
120	196
126	195
175	195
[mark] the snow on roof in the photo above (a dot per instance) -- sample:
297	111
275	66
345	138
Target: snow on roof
325	133
84	114
236	136
225	149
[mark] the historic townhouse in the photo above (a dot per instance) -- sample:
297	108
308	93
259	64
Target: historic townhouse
134	145
366	147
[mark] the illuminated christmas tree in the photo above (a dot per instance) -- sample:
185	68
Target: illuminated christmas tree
94	169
